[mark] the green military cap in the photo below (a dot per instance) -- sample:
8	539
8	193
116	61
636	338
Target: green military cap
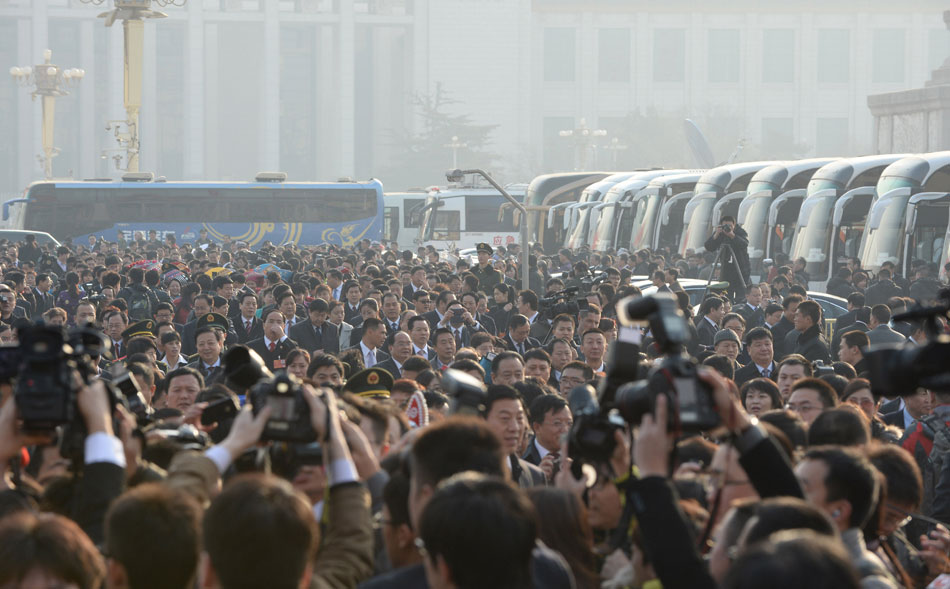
215	320
371	382
140	328
484	247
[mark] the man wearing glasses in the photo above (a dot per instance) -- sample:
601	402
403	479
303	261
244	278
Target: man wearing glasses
811	396
574	374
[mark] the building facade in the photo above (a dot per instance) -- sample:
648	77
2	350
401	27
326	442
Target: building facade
321	88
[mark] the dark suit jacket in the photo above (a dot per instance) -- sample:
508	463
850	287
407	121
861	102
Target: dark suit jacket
529	344
389	365
747	373
348	313
381	356
501	317
306	337
244	336
779	331
752	318
705	332
896	418
467	333
532	456
102	482
890	406
487	323
430	352
812	345
432	318
216	375
280	351
540	329
525	474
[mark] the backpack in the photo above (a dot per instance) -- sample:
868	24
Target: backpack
140	305
936	429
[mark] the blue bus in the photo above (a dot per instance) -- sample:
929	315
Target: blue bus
302	213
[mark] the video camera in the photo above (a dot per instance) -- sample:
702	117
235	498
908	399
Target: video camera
902	369
44	370
624	397
565	301
289	421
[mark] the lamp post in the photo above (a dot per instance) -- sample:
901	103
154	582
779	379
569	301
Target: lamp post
583	141
49	82
615	147
132	13
459	175
455	146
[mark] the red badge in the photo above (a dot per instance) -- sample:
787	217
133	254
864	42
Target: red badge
417	412
278	363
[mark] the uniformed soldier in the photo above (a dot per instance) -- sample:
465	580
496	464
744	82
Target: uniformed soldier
484	271
373	383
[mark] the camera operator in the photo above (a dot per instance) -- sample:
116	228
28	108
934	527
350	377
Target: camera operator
735	258
104	469
662	524
259	532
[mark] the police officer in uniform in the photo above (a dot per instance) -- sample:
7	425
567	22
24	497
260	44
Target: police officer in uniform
484	271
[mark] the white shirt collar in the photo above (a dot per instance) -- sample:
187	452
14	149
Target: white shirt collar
542	451
531	319
365	349
268	342
711	322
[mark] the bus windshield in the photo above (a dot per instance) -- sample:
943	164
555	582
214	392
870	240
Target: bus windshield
813	234
305	214
696	228
756	225
579	232
882	237
645	221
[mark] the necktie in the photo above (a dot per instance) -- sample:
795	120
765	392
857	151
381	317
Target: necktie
319	333
371	359
273	346
395	326
458	339
247	325
521	349
765	372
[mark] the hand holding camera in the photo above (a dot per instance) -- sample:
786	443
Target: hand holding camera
325	418
246	431
94	405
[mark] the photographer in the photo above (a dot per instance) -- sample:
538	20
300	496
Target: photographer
258	532
662	524
734	258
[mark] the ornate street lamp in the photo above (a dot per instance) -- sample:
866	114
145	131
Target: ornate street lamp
132	13
49	82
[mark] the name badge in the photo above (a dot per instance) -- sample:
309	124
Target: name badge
280	364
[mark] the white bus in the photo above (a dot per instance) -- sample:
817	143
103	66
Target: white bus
402	216
460	218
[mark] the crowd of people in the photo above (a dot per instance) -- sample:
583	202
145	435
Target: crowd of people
815	476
